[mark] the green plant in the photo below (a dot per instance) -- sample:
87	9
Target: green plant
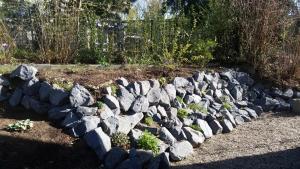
180	99
149	121
120	140
148	141
162	81
196	127
182	113
227	105
201	52
21	125
66	85
99	104
197	107
114	89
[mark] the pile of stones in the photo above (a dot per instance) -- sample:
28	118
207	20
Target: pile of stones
213	102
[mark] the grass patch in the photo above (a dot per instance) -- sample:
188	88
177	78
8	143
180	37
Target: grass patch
148	141
180	99
182	113
227	105
149	121
197	107
196	127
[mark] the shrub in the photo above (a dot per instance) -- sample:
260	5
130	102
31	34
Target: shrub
202	52
182	113
21	125
149	121
99	104
148	141
120	140
227	105
197	107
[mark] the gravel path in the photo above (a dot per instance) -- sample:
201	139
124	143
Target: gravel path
271	142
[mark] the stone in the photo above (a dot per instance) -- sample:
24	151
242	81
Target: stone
198	76
3	93
128	122
165	100
59	112
140	105
125	98
207	131
152	110
180	82
25	102
131	163
122	81
82	111
144	127
227	126
135	135
193	136
162	111
180	150
80	96
58	97
202	86
237	93
296	106
283	105
70	121
154	83
172	113
267	103
39	107
24	72
134	88
166	136
142	156
171	91
288	94
111	101
16	97
216	127
4	81
31	87
208	77
297	94
251	113
244	78
154	96
44	91
181	92
86	124
105	112
107	91
239	120
160	162
114	157
145	87
227	75
110	125
98	141
227	115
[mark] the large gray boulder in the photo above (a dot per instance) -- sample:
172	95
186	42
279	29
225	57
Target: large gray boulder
237	93
145	87
180	82
122	81
39	107
180	150
98	141
70	121
16	97
166	136
31	87
207	131
244	78
252	113
154	96
198	76
227	126
193	136
105	112
44	91
25	102
4	81
141	104
227	115
216	127
86	124
165	100
110	125
3	93
59	112
111	101
288	94
128	122
296	105
114	157
58	97
125	98
171	91
82	111
24	72
134	88
160	162
80	96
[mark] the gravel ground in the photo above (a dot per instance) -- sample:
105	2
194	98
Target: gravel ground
271	142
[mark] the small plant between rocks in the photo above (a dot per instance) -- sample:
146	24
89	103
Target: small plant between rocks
66	85
197	107
149	121
196	127
227	106
182	113
148	141
21	125
120	140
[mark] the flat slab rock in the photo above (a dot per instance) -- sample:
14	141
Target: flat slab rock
180	150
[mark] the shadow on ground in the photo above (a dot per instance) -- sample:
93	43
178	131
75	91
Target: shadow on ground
18	153
287	159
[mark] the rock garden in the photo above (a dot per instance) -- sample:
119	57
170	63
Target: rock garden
149	123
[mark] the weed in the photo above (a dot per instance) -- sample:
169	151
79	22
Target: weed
148	141
99	104
149	121
182	113
196	127
227	105
67	86
21	125
197	107
120	140
162	81
180	99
